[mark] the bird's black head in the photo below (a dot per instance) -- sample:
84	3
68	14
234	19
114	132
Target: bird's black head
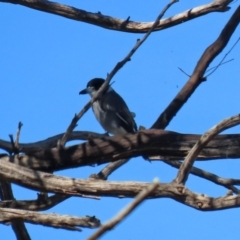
92	86
95	83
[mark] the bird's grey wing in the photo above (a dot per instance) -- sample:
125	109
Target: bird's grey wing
120	108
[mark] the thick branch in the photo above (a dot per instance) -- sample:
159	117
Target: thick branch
51	220
168	145
198	74
118	24
76	187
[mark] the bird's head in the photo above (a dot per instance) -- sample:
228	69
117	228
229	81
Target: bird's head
93	86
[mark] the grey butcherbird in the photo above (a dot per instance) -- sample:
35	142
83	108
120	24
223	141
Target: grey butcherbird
110	109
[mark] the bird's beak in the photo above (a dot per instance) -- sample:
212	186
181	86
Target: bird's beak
84	91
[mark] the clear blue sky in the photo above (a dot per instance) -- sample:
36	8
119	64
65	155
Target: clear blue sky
46	60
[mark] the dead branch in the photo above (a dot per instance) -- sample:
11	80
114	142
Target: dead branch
123	25
77	187
17	225
225	182
198	74
50	142
187	164
167	145
18	135
51	220
35	205
126	211
109	169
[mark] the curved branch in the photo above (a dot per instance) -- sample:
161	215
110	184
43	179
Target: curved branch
187	164
118	24
49	142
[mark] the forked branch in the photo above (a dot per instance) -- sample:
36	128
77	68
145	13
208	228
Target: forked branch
198	74
204	140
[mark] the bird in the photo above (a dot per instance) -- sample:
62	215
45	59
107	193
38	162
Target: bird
110	109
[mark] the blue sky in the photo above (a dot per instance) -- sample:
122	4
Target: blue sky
46	60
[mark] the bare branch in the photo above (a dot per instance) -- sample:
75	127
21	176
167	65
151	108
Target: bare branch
221	62
123	25
198	74
18	226
18	135
46	219
126	211
35	205
186	166
77	187
49	142
109	169
226	182
118	66
166	144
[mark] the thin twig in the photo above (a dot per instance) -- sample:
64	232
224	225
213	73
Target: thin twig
221	62
184	72
126	211
187	164
109	169
13	150
18	135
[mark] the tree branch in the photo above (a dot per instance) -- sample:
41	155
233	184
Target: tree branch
109	169
49	142
35	205
187	164
111	23
225	182
18	226
51	220
198	74
157	143
126	211
76	187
